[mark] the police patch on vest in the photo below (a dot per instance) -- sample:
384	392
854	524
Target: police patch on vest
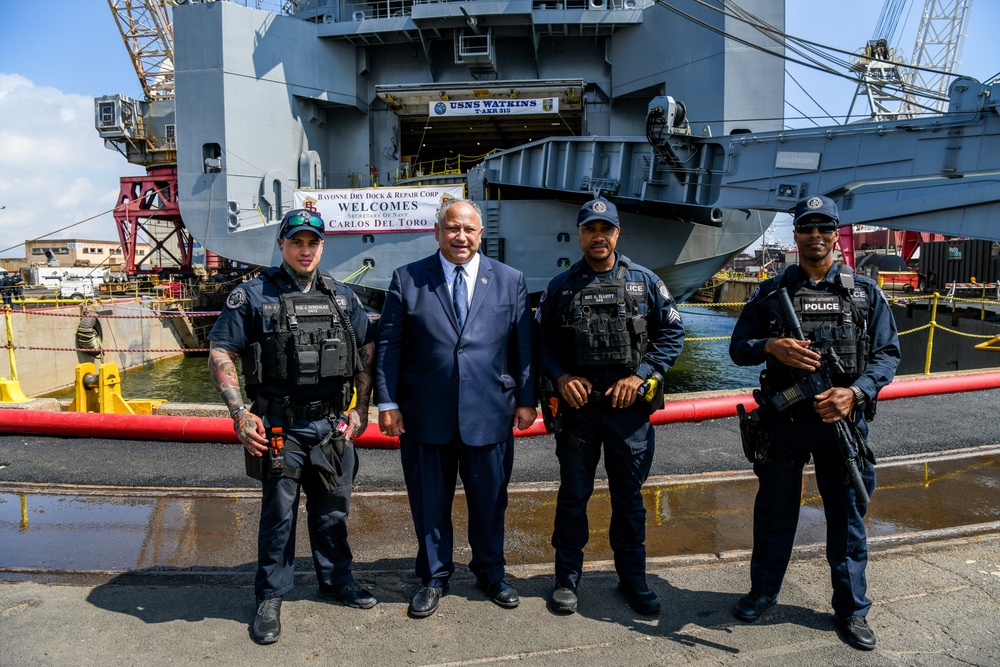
342	300
636	290
598	298
859	295
236	298
820	304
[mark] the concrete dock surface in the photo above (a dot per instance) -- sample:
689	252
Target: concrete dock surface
936	603
936	591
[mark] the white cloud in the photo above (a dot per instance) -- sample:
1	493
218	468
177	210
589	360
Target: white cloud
54	169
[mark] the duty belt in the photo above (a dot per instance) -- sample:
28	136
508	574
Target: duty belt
311	411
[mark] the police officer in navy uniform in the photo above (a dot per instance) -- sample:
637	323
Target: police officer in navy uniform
605	327
306	349
840	310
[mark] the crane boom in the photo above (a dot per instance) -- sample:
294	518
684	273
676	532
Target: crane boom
937	51
145	28
923	88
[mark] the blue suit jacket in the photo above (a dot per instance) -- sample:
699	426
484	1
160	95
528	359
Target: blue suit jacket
445	380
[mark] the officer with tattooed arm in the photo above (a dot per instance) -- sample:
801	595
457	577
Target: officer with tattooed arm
608	330
306	348
846	341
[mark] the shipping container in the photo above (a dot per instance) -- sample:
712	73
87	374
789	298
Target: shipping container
959	261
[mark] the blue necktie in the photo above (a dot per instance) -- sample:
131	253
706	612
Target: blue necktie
460	296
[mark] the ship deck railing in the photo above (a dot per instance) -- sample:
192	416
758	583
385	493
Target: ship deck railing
450	166
383	9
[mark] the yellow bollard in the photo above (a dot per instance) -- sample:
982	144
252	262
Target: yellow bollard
930	334
109	391
99	390
84	398
10	390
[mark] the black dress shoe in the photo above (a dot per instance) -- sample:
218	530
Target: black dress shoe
266	626
640	598
563	598
750	607
857	632
425	602
501	593
350	595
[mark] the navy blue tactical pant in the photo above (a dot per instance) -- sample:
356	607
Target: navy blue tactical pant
628	445
777	507
326	513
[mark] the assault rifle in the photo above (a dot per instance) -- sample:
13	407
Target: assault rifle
810	383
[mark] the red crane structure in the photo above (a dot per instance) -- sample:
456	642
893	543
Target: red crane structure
143	131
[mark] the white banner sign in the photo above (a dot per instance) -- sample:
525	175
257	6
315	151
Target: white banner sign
493	107
374	210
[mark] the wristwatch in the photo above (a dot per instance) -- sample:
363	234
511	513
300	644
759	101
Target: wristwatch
859	396
237	411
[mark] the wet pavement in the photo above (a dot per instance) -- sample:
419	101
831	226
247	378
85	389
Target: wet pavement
121	552
68	529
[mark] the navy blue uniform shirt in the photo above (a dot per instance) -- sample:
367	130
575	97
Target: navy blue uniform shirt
663	320
753	327
242	323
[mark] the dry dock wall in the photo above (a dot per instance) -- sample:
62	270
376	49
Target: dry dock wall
132	334
951	351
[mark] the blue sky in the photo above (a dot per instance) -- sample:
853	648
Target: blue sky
57	55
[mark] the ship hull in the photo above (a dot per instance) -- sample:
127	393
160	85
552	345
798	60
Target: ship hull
332	99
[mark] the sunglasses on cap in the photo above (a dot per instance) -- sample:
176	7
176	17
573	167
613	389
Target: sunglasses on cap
302	219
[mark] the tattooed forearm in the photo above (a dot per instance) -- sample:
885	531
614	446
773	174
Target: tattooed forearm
363	378
363	387
222	368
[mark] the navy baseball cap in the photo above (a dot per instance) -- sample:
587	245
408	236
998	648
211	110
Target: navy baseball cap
816	205
298	219
598	209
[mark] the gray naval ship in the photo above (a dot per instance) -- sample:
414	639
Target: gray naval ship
531	107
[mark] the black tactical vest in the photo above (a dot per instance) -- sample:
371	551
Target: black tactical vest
601	323
309	350
834	320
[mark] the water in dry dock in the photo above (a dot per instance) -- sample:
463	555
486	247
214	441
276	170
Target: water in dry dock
704	366
80	529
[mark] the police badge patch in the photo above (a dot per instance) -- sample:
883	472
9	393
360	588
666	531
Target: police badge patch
236	298
663	291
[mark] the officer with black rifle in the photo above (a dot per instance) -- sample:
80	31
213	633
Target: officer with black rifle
847	343
306	349
608	330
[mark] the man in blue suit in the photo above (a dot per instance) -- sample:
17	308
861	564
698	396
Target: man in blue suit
454	375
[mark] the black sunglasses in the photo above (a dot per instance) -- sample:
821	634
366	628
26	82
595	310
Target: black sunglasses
302	219
822	227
